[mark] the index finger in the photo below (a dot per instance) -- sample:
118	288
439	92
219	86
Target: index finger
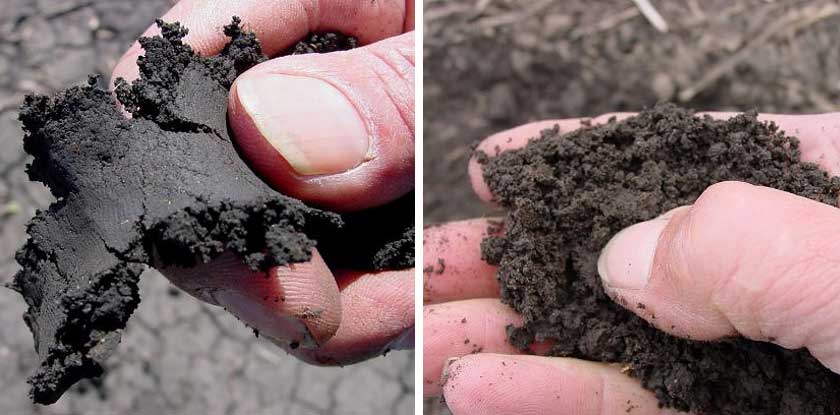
278	24
819	136
453	268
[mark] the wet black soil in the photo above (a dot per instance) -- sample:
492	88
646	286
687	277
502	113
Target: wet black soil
566	196
166	187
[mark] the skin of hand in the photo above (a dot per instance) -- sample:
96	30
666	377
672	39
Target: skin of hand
335	130
742	259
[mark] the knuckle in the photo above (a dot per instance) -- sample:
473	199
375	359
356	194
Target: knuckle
730	197
396	75
391	62
721	217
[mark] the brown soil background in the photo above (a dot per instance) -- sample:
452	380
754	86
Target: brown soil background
494	64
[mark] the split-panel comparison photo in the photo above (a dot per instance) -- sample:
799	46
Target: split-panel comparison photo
614	206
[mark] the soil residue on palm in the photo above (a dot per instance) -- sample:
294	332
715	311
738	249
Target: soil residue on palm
567	195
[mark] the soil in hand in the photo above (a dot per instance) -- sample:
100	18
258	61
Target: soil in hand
567	195
166	187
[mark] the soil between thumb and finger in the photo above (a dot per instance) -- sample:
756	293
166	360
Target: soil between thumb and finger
746	260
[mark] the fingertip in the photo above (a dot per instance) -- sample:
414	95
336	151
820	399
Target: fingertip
488	383
491	384
452	266
377	317
817	134
297	303
475	170
625	262
312	296
460	328
643	269
511	139
126	66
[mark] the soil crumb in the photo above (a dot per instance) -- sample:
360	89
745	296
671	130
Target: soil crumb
166	187
566	195
324	43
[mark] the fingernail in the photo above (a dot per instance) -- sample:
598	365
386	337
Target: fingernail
445	373
626	261
405	341
266	320
308	121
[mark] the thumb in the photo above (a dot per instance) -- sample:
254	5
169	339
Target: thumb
336	130
743	259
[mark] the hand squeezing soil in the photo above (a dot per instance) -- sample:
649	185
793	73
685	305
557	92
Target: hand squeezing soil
566	196
165	188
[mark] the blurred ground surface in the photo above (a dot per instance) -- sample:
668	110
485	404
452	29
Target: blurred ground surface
494	64
177	356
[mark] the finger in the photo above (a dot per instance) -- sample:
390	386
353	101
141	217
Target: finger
461	328
815	132
377	316
336	130
298	303
743	259
278	24
501	384
452	264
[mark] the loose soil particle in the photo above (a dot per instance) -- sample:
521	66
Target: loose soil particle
324	43
566	195
166	187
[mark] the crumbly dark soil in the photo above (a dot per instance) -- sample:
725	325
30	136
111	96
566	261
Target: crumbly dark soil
566	196
164	188
324	43
492	65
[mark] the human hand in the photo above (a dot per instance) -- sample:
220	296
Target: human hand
334	130
742	260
